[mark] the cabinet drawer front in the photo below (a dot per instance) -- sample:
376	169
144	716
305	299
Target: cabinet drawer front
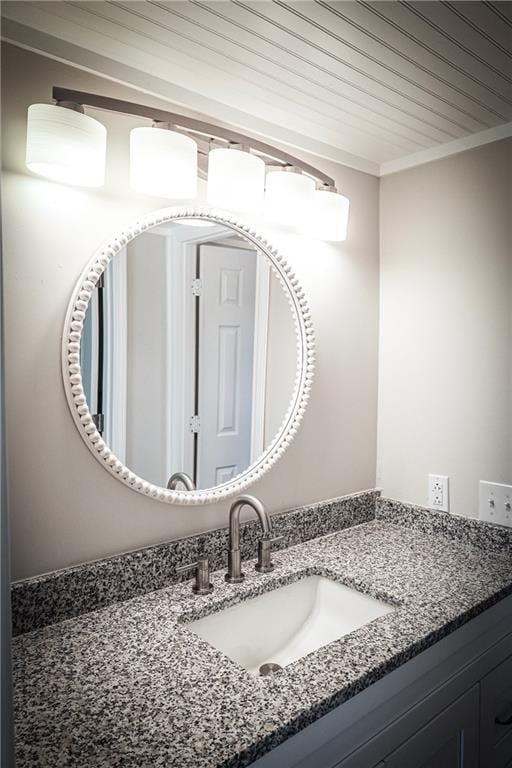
496	706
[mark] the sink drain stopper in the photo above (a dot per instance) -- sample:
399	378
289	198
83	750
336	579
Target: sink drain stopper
269	669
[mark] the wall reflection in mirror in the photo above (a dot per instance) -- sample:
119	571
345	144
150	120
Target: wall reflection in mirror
189	354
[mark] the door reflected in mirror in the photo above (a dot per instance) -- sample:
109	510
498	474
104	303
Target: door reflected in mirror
189	354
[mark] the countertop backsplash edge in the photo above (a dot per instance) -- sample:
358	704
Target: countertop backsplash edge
467	530
47	599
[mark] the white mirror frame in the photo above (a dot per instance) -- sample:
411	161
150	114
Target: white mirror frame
71	358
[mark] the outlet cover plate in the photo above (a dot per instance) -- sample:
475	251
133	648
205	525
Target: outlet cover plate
439	492
496	503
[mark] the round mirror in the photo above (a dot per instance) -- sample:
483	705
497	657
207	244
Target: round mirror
187	355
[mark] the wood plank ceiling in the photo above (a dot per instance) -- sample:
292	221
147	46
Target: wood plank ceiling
372	81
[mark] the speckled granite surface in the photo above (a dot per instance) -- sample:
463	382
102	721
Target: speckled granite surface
467	530
130	685
53	597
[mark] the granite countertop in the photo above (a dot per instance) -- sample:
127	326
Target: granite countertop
131	685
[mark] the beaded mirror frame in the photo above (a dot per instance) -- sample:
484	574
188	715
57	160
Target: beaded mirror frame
71	370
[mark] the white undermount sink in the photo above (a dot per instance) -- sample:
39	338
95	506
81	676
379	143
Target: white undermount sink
287	623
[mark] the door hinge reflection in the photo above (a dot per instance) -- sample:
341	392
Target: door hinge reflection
195	424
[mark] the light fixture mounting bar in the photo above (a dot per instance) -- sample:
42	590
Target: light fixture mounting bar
188	123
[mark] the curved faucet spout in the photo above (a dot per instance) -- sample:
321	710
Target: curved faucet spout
234	518
234	574
180	477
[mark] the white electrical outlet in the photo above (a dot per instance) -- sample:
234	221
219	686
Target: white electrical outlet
496	503
438	493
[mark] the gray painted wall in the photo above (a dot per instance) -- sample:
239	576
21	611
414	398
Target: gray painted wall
445	389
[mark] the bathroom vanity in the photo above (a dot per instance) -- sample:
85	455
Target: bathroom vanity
427	682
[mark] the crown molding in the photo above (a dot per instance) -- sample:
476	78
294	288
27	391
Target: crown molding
503	131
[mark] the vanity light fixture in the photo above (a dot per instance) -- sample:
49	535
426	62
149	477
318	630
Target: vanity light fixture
163	162
329	219
236	179
288	196
65	145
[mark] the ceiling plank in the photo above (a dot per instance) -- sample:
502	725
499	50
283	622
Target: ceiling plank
205	46
281	59
486	23
418	86
414	23
395	104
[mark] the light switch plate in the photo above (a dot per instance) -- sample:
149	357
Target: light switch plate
496	503
438	492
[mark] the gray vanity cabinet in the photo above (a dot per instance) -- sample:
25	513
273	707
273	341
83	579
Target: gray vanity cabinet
450	740
496	717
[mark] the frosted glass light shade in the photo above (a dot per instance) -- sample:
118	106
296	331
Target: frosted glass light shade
163	163
329	216
236	180
65	145
288	198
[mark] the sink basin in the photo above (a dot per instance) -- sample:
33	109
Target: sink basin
287	623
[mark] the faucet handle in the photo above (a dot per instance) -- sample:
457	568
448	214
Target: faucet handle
202	584
264	564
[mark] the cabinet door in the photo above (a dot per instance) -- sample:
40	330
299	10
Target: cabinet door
496	717
450	740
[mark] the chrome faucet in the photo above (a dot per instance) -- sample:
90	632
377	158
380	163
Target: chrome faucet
180	477
234	574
